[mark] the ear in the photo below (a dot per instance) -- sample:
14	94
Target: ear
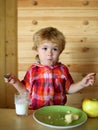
37	57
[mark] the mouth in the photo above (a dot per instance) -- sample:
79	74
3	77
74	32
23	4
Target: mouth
49	59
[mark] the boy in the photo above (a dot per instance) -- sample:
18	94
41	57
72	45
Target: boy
47	81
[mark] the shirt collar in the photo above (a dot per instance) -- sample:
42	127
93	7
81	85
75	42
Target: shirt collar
48	67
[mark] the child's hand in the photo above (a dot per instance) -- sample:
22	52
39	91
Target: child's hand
88	80
9	78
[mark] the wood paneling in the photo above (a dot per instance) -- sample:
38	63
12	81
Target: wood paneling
8	49
2	54
78	20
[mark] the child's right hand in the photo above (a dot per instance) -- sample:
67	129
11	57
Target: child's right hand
9	78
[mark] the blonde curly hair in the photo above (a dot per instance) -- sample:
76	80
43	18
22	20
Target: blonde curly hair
50	34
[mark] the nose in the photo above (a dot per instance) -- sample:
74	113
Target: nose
49	52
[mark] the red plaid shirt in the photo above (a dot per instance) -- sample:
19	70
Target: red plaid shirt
47	85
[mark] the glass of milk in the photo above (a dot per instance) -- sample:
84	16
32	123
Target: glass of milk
21	104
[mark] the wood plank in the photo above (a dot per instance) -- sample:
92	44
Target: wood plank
54	18
68	27
77	40
77	49
2	54
78	67
11	47
77	98
70	56
77	76
57	13
58	3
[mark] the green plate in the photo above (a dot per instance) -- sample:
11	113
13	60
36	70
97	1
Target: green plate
54	116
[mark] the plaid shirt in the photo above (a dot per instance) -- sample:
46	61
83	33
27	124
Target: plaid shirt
47	85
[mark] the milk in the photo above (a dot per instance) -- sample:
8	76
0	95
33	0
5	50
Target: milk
21	108
21	104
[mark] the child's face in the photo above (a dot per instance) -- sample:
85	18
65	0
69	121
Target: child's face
48	53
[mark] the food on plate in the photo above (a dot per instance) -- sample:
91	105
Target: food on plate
90	107
70	117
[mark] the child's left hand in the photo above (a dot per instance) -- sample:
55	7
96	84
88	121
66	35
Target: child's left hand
88	80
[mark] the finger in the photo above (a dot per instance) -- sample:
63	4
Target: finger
91	82
91	74
6	80
12	79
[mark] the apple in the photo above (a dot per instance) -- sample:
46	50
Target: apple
90	107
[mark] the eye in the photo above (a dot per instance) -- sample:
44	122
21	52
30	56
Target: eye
55	49
44	48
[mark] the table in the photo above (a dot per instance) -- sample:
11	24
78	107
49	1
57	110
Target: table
10	121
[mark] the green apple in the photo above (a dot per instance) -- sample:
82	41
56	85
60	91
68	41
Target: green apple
90	107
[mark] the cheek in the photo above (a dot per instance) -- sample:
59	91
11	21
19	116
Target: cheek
56	57
39	52
41	55
57	54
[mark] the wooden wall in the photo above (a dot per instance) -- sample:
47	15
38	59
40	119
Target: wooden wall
78	20
8	49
